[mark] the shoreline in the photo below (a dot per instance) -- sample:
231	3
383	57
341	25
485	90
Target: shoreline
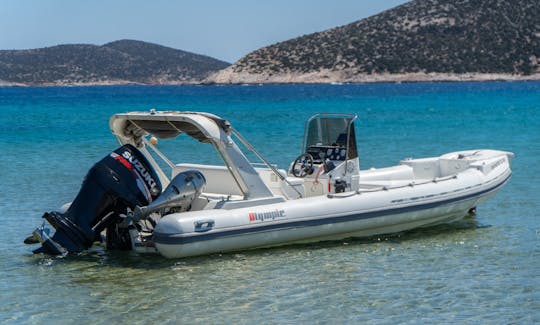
95	83
324	77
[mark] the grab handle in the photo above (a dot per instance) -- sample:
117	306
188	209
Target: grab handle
204	225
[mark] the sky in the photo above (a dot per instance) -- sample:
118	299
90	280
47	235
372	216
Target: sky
226	30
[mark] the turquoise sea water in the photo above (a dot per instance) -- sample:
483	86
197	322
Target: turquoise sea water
480	270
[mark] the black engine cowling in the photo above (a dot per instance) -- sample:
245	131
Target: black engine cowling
123	179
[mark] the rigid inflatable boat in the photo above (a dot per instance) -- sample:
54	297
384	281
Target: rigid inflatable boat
129	200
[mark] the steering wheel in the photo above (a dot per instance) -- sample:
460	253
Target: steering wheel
303	165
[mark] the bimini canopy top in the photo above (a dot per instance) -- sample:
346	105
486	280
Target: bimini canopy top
204	127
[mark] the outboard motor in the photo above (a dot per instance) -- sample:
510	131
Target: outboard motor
123	179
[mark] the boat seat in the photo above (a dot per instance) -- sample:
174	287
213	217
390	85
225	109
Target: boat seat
218	178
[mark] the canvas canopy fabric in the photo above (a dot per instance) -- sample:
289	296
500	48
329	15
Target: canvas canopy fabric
201	126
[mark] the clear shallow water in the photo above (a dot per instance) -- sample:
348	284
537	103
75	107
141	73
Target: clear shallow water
481	270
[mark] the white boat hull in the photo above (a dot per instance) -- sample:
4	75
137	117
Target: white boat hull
352	214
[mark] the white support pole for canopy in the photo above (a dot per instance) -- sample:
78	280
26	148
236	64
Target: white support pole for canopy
261	157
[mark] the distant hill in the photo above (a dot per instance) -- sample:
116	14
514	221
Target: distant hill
125	61
422	39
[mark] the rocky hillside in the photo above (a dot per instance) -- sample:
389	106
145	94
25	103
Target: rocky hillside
124	61
422	39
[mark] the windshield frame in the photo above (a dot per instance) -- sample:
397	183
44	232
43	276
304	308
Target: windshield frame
325	127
